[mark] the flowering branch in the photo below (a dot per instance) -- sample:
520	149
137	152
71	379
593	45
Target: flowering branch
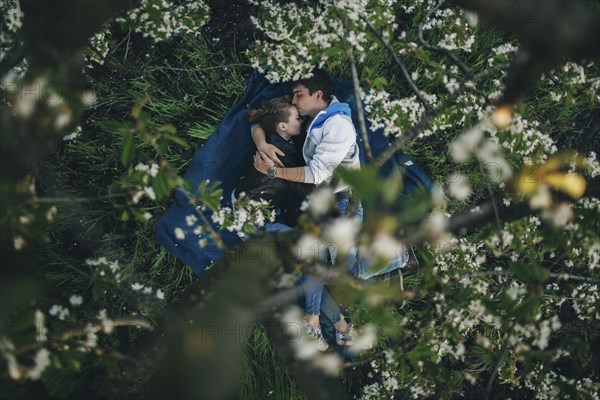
429	117
559	277
441	50
401	65
83	330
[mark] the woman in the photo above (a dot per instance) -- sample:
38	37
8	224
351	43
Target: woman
280	119
282	123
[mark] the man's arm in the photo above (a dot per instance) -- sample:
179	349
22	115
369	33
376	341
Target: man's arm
295	174
267	150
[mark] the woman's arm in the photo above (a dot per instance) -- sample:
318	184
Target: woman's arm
267	150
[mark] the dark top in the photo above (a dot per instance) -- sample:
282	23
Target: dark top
284	195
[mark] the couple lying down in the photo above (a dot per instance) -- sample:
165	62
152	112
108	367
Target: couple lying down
291	162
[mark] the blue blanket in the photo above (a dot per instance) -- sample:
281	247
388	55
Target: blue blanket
222	158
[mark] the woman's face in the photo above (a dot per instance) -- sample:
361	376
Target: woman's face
294	123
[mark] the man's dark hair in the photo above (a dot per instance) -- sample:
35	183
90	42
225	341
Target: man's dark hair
320	80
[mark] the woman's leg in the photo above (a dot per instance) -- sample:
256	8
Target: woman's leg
313	290
331	310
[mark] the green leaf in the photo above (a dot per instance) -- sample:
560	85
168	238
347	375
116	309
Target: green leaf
483	354
159	185
177	140
115	126
364	182
136	110
393	187
128	145
125	216
97	291
74	363
379	83
529	272
528	308
139	215
415	207
168	128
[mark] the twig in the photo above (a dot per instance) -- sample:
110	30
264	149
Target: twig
505	347
397	60
127	48
493	199
77	199
119	44
437	49
278	299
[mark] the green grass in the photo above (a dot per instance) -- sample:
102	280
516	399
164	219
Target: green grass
264	376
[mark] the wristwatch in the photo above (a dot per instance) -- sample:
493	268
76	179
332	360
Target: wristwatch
272	171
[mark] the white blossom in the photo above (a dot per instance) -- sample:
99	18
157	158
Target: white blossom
76	300
342	233
42	361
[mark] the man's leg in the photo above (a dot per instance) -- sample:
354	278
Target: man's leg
360	268
357	265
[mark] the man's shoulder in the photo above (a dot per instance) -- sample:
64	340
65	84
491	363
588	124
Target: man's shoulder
338	121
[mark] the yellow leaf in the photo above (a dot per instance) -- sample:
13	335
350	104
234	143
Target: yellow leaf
572	184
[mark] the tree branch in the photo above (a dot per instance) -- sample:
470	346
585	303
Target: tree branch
81	330
360	111
9	63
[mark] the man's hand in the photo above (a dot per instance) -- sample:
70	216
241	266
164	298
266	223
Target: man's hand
262	164
269	152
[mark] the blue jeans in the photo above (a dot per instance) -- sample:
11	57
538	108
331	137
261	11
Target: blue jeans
357	266
317	300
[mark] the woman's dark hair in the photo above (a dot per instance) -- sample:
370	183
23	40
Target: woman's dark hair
275	111
320	80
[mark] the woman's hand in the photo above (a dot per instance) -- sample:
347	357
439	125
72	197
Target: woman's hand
269	152
262	164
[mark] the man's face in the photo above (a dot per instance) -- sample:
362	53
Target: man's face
304	102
